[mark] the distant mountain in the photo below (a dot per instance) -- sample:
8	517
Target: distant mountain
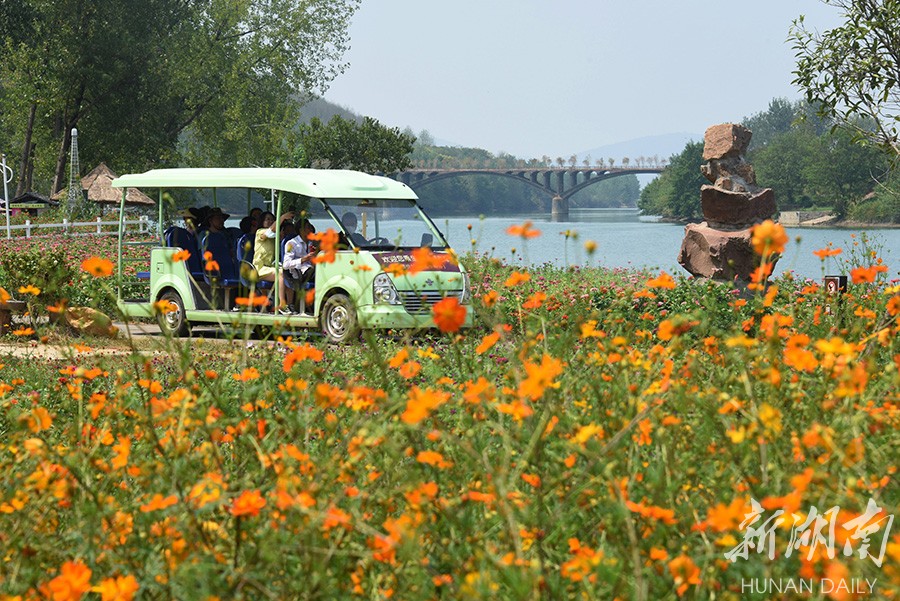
662	146
324	110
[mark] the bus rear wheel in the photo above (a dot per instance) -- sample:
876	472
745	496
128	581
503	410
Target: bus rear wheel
339	323
172	321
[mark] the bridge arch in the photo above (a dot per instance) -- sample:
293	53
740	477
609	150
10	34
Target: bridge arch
540	178
587	183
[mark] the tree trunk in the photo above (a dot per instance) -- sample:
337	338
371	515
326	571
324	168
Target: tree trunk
60	172
69	120
24	182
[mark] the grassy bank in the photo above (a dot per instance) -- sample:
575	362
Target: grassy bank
600	434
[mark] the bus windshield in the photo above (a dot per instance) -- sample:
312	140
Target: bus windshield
390	223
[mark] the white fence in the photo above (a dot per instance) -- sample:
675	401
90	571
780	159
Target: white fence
81	227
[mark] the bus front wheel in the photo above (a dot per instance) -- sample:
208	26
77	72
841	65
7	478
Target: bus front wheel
172	320
339	323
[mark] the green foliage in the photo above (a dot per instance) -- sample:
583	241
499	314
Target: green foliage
675	194
805	167
780	165
883	206
851	71
367	146
139	77
771	123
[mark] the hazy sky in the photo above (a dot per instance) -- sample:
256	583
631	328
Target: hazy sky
535	77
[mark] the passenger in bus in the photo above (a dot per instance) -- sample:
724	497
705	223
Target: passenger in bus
249	225
215	220
264	247
191	220
202	217
298	267
350	222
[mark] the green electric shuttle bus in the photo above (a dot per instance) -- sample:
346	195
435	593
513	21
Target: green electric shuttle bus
364	285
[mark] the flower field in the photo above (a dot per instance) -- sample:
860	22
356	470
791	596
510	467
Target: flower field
599	435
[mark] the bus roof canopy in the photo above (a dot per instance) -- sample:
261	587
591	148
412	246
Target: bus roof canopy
315	183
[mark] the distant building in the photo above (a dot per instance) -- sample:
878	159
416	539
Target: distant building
98	187
32	203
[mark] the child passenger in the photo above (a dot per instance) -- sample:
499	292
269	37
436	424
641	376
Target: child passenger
298	256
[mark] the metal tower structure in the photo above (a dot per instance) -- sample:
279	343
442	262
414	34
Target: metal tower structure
74	195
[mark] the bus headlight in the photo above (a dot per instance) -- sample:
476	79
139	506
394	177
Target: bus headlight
383	290
466	296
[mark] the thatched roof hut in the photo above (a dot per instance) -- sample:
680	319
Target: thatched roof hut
98	185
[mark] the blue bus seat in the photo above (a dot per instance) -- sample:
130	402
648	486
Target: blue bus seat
179	237
247	272
216	243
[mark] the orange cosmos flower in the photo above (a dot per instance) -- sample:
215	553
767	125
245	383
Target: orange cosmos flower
535	301
181	255
488	342
525	231
666	516
421	403
120	588
826	252
335	517
425	260
165	306
582	563
685	572
251	373
532	479
448	315
301	353
328	241
433	458
893	305
540	377
395	269
159	502
97	267
248	502
490	299
122	451
516	278
252	301
768	237
410	369
664	280
73	582
861	275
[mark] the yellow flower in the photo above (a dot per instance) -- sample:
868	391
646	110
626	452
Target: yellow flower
770	418
29	289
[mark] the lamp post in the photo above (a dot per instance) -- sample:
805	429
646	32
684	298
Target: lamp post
7	177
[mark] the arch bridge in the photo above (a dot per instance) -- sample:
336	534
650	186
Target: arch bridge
560	183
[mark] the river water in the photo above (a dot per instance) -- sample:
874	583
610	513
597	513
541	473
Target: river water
626	239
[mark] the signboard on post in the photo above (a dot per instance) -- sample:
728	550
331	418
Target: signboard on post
7	177
835	284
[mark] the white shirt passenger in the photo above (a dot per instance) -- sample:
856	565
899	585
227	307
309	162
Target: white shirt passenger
294	251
